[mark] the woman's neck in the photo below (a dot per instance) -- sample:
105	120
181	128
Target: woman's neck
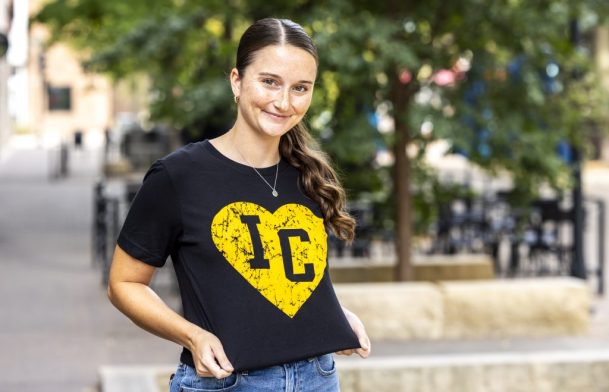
248	148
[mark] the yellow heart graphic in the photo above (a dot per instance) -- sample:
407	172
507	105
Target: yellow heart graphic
281	254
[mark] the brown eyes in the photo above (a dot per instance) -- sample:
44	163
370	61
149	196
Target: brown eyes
274	83
270	82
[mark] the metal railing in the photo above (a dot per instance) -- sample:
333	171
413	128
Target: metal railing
523	242
105	229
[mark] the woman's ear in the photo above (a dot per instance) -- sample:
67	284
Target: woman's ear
235	82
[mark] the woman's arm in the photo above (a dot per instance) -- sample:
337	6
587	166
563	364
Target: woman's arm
128	290
360	331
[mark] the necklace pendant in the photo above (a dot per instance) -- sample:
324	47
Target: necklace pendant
275	193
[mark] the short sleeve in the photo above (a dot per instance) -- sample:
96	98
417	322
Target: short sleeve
153	222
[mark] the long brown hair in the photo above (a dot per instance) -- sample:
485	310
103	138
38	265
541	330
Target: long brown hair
317	177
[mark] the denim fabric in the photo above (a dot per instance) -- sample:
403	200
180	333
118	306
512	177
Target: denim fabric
317	374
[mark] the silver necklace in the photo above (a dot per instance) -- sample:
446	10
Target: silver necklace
274	186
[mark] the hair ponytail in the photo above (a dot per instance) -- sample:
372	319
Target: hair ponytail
319	181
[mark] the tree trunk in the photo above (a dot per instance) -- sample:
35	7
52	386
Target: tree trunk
401	98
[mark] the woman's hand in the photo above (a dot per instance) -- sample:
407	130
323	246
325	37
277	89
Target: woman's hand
129	291
208	355
360	331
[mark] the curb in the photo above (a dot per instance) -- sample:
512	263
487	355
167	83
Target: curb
422	371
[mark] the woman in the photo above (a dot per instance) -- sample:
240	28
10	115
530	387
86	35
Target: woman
244	218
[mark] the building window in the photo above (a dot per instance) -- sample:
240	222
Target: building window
59	98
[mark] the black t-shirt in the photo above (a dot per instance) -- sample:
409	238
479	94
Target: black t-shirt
251	267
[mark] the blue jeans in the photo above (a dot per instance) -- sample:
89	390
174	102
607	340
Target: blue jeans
317	374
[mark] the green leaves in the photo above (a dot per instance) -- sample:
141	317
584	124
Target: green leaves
512	97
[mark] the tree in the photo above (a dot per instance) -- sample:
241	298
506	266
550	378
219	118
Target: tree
495	78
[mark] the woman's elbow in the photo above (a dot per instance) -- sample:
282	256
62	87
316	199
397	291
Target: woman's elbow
111	292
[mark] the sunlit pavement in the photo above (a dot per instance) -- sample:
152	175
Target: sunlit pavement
57	327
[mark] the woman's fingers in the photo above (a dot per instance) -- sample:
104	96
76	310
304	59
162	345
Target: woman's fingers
221	358
204	373
345	352
211	359
209	362
363	352
360	332
364	342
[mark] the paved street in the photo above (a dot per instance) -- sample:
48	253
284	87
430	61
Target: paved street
56	325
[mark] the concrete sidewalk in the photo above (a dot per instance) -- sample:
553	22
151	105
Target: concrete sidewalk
56	325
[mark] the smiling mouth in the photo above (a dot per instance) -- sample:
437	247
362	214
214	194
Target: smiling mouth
276	116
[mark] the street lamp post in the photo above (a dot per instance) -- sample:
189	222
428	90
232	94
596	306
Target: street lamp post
578	265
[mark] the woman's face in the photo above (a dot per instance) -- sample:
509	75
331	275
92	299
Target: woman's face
276	89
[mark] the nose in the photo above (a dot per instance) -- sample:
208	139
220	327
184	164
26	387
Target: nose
282	101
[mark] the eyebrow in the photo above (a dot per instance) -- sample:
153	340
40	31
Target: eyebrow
279	77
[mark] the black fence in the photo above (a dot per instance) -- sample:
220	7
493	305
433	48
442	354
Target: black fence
106	225
532	241
110	207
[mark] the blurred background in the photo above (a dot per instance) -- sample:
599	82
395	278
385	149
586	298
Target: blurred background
471	136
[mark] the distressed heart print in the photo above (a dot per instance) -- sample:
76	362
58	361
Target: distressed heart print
281	254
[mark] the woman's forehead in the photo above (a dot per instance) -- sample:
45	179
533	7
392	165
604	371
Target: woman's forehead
285	61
